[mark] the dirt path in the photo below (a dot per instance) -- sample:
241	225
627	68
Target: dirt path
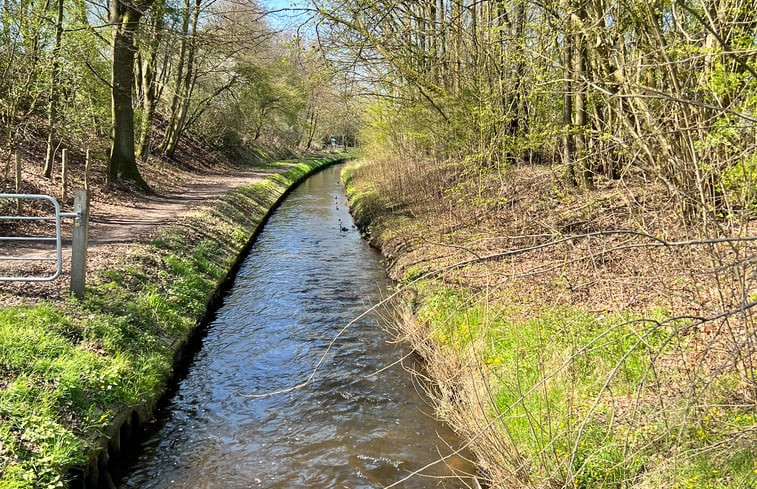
114	225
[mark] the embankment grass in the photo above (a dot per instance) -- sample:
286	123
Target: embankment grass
574	358
571	398
67	369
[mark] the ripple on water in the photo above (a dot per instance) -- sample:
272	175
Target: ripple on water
303	281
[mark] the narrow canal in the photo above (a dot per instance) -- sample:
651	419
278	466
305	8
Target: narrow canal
307	276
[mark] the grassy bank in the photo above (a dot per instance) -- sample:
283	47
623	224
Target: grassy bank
568	353
70	370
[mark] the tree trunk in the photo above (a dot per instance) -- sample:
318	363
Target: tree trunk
52	114
568	147
187	86
518	124
169	136
122	164
149	105
312	126
149	85
581	120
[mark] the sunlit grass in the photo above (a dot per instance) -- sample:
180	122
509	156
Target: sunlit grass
582	398
67	369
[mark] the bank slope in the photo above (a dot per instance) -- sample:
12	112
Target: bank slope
77	377
570	343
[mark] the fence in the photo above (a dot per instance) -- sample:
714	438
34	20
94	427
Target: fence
78	242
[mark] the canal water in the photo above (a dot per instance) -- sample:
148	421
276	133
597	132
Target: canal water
307	276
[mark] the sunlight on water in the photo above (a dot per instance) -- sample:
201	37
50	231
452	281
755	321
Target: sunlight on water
307	276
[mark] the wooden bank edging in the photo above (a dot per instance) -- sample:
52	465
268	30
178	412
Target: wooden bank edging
122	434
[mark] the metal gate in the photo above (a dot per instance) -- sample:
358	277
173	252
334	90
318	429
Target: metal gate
55	239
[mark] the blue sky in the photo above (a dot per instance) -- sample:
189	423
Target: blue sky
285	20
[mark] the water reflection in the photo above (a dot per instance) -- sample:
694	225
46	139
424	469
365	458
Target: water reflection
307	276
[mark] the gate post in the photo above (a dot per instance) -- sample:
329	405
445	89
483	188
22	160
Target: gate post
79	243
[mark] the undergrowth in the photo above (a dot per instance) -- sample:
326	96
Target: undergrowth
68	369
575	339
583	399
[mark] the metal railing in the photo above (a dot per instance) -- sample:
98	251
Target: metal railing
56	217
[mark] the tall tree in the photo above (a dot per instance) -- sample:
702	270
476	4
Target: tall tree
581	84
125	17
52	111
568	141
185	78
148	77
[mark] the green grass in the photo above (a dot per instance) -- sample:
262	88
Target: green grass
67	369
574	394
366	203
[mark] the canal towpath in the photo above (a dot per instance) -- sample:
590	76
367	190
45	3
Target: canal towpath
116	224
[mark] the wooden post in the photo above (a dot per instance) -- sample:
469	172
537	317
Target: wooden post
64	174
79	242
18	182
86	171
